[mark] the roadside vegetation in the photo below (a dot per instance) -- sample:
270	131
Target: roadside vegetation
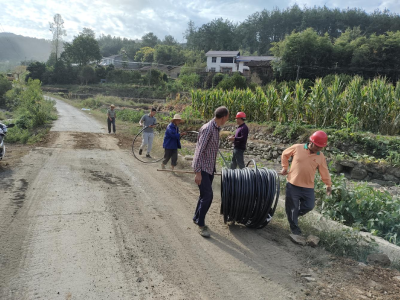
26	107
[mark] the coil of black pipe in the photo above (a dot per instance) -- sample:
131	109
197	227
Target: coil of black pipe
134	146
249	196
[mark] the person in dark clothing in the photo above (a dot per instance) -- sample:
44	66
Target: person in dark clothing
172	142
111	115
204	160
239	141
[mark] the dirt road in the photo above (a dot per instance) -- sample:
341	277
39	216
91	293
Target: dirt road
82	219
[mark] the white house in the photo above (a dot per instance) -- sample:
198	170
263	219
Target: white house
222	61
231	61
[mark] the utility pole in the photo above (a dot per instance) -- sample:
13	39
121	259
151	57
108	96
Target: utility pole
298	72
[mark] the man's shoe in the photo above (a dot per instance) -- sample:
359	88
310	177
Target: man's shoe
296	231
204	231
140	151
148	155
162	166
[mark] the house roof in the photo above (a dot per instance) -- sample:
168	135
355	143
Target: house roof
222	53
113	56
256	58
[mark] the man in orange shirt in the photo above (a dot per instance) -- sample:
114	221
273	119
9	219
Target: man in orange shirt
307	158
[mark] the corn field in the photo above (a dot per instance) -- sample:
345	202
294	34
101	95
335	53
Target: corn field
372	106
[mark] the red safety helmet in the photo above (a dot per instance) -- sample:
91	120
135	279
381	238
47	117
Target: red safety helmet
319	138
240	115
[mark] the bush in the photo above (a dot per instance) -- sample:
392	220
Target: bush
153	77
190	81
91	103
236	81
87	74
218	77
5	85
31	111
133	116
361	207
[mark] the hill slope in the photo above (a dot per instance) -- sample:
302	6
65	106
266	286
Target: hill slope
17	48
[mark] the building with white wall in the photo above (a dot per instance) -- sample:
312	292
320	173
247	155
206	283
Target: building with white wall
222	61
231	61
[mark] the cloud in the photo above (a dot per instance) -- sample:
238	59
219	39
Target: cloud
134	18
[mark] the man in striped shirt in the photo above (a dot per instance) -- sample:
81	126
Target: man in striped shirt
204	165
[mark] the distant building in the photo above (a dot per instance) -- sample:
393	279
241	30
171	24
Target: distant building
222	61
231	61
120	62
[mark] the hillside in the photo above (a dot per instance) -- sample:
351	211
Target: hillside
17	48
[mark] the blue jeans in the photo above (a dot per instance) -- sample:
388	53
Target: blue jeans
205	199
109	122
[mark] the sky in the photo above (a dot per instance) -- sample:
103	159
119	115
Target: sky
134	18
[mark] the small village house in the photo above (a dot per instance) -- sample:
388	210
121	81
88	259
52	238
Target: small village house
231	61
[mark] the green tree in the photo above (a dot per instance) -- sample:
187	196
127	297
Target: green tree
83	49
171	55
101	73
113	45
169	40
150	40
36	70
153	77
345	45
145	54
87	74
52	60
219	34
303	55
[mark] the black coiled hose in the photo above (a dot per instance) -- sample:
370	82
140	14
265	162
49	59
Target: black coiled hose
134	154
249	196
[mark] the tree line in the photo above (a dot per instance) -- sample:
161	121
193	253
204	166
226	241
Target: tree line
260	30
309	55
310	43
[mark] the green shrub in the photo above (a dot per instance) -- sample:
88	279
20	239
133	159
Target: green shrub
236	81
190	81
361	207
133	116
189	113
218	77
31	112
5	86
91	103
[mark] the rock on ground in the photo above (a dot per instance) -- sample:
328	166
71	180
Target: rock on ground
379	259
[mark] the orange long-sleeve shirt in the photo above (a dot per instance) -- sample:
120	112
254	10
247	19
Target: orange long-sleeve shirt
304	166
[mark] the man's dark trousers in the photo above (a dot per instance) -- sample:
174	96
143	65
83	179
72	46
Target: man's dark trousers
299	201
205	199
237	158
109	122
